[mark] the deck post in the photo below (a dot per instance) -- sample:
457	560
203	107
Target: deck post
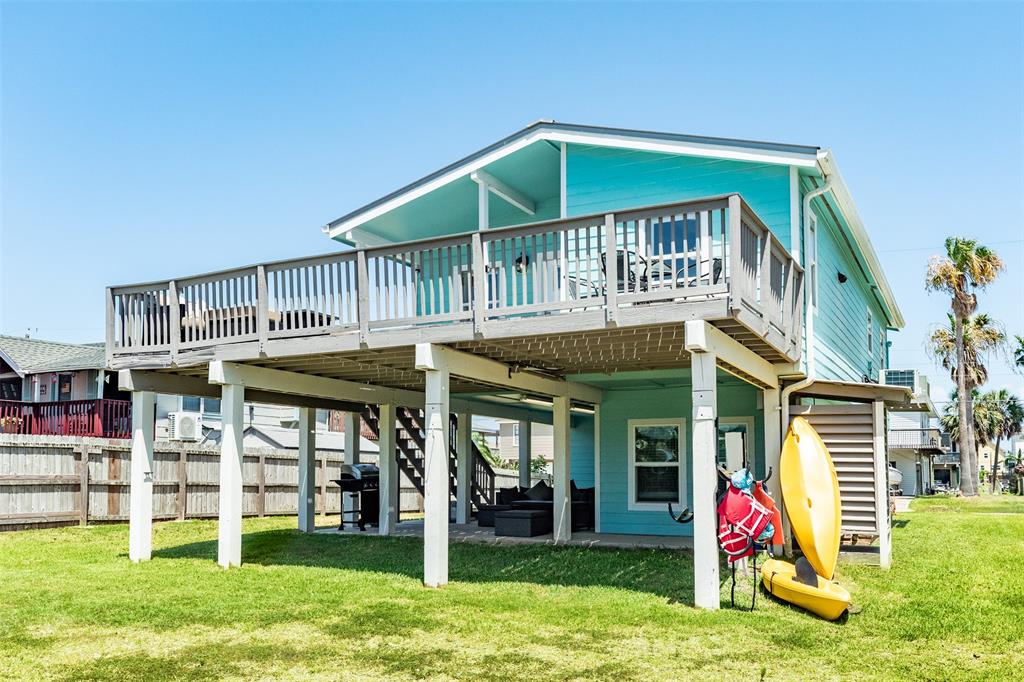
705	456
390	494
140	523
881	486
435	484
464	467
353	425
525	446
562	530
307	469
773	449
229	526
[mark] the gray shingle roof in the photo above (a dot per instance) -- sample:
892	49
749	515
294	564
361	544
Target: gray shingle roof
31	356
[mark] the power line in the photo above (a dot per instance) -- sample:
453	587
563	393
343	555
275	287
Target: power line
939	248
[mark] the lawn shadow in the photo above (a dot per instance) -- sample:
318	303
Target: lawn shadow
666	573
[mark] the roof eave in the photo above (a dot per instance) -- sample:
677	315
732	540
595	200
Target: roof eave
860	235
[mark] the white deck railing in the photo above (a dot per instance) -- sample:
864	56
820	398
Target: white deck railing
691	251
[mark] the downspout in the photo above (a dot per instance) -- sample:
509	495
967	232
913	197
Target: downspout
809	336
808	310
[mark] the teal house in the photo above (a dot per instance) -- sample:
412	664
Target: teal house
667	302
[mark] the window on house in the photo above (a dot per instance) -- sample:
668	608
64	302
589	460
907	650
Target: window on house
190	403
741	425
657	472
515	435
871	346
812	260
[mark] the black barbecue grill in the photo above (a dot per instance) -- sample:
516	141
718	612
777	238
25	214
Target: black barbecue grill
361	482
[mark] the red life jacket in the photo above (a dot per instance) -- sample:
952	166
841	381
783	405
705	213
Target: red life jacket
740	520
762	496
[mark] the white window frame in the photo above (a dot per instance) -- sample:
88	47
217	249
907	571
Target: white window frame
632	504
515	434
812	259
748	443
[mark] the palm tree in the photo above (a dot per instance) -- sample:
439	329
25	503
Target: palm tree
985	427
981	336
1011	420
966	265
1018	352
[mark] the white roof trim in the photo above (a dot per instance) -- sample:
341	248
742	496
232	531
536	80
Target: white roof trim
623	140
860	235
13	365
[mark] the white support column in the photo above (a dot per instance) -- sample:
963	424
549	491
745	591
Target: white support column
464	467
353	425
705	480
307	469
597	468
773	449
435	485
525	447
882	487
562	456
140	524
390	495
229	527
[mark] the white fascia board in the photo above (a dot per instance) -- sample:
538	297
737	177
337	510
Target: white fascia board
7	358
860	235
703	337
309	385
431	356
363	239
684	148
736	153
434	184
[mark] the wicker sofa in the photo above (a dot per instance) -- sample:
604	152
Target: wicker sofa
541	497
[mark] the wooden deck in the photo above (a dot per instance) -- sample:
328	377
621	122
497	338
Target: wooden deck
549	296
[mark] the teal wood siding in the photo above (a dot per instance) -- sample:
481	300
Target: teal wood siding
581	448
606	179
735	399
842	349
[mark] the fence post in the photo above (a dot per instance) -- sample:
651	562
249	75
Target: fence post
83	472
734	268
479	293
611	269
362	297
262	306
175	318
261	476
323	483
182	501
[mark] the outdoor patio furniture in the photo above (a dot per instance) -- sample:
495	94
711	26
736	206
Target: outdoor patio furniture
522	523
485	514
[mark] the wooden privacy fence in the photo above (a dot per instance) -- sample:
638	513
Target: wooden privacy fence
62	480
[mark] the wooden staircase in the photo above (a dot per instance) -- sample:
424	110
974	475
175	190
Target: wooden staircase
410	446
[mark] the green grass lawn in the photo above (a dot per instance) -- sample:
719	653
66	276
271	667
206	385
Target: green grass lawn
73	607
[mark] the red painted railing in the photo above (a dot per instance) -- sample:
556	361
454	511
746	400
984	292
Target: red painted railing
99	418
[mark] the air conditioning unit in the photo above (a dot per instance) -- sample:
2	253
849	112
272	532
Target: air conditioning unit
184	426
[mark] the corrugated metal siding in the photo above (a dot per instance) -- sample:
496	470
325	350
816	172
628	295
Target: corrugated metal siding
848	432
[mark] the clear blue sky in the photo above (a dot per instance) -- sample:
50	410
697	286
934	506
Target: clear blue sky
146	140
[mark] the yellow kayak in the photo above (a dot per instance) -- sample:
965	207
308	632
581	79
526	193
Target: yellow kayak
810	491
827	600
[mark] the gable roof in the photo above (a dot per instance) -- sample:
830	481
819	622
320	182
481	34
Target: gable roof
809	159
574	133
32	356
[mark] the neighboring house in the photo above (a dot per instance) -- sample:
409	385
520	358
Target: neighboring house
541	444
53	388
666	302
914	438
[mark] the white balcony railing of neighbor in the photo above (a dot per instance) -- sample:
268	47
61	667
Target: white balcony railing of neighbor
691	251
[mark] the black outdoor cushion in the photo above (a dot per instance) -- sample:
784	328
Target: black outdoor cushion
541	492
510	495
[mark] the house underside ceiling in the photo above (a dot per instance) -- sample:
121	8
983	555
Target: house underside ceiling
656	347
